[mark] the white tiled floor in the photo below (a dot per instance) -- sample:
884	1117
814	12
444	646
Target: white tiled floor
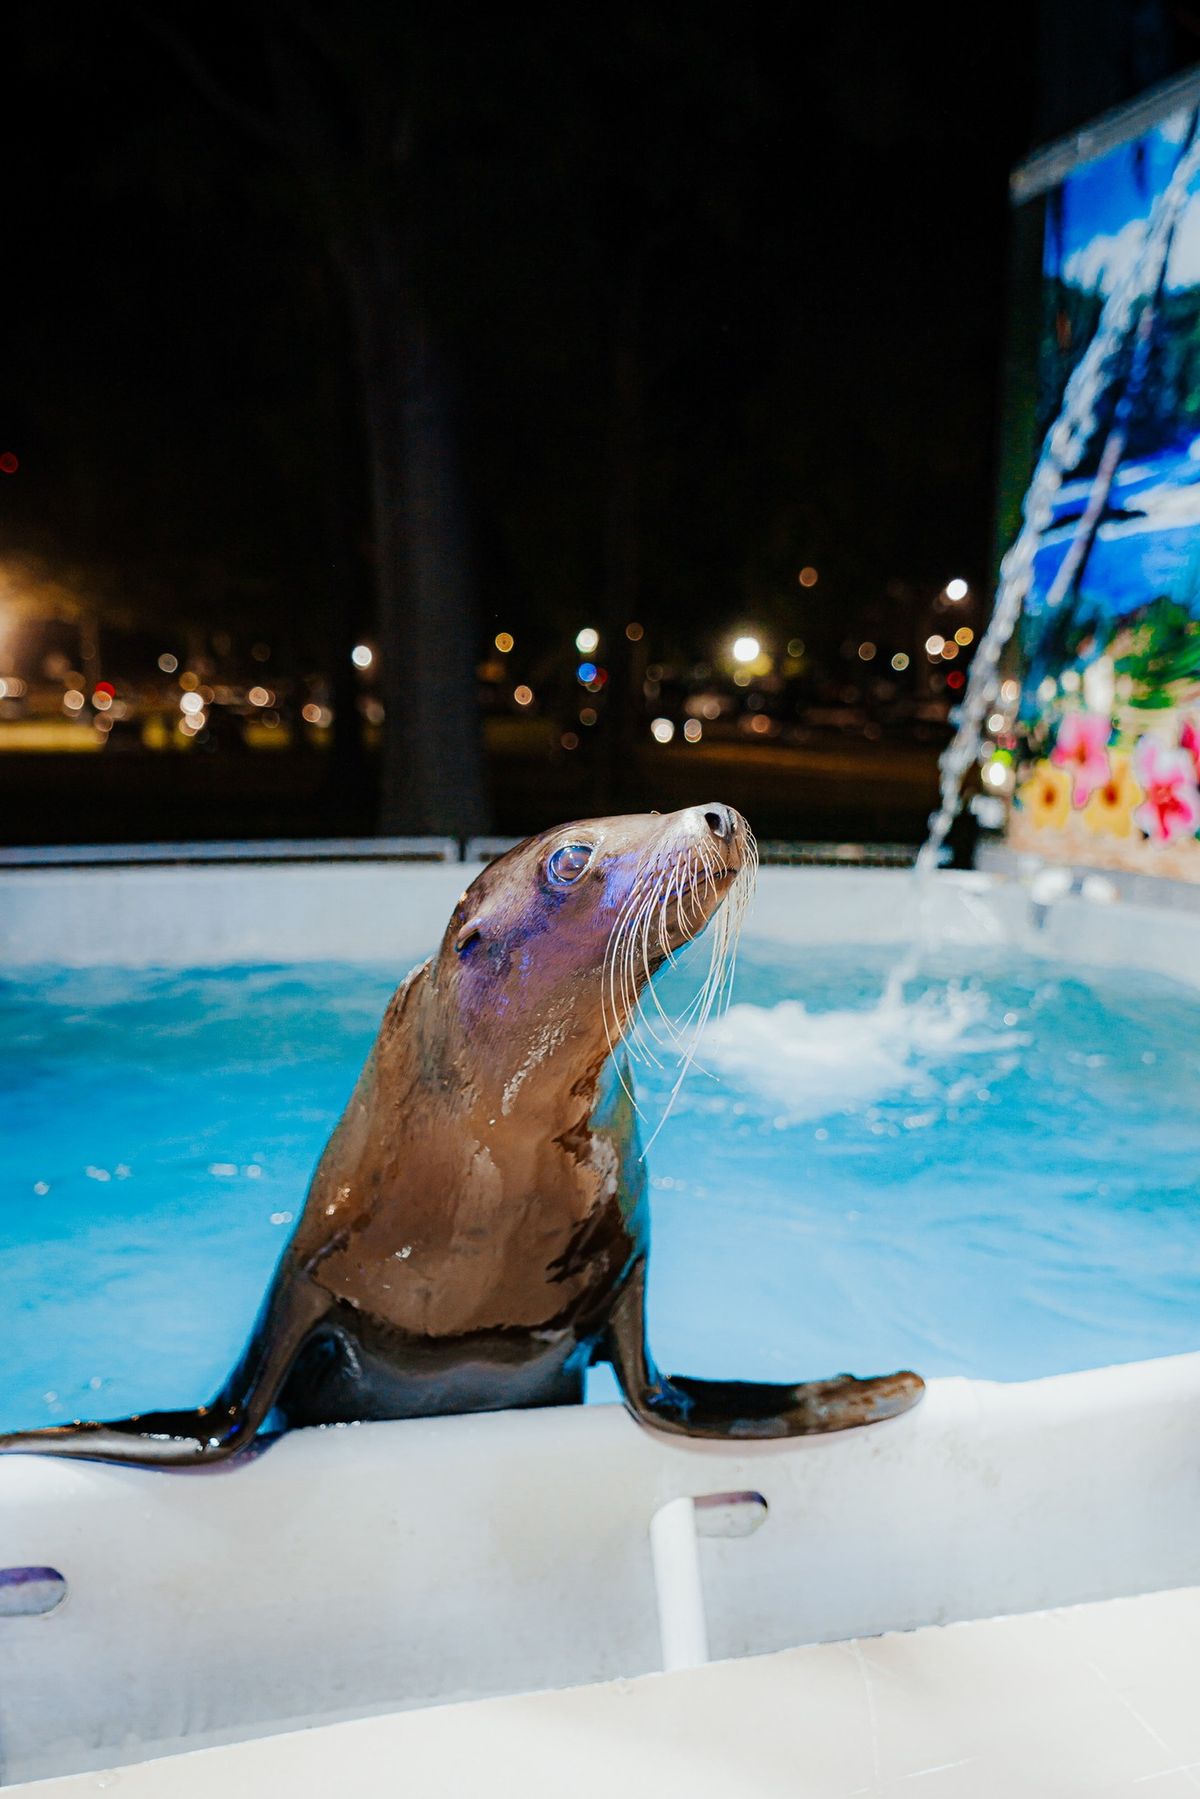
1086	1702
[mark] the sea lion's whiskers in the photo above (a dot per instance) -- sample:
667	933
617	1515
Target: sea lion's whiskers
635	1024
635	946
617	982
655	911
639	950
717	986
671	899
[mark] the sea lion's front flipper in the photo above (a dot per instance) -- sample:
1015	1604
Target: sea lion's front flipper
212	1433
741	1409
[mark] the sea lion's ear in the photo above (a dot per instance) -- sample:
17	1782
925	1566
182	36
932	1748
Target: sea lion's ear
469	934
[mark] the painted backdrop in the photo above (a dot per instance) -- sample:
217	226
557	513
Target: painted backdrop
1106	738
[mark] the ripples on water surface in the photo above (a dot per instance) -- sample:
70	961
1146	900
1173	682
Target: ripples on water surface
997	1178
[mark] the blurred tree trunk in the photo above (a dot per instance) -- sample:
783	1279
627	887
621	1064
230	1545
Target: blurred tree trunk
622	547
432	776
339	119
348	583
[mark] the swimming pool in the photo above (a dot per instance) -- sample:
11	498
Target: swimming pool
990	1175
994	1176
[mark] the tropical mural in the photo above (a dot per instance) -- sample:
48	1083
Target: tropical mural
1106	737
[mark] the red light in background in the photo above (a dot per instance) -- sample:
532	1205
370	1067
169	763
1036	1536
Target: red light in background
956	678
105	687
9	464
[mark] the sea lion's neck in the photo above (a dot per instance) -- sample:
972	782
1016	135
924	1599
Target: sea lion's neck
542	1070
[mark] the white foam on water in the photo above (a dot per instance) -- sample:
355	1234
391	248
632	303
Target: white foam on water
814	1063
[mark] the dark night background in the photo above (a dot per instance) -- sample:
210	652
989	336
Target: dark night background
408	326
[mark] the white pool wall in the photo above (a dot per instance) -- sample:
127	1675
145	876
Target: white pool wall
184	915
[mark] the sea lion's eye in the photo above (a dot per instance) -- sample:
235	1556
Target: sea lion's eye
568	863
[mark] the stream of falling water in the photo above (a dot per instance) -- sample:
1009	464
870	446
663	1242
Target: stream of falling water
1062	449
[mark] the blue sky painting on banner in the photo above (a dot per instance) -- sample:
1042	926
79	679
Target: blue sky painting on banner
1097	227
1147	545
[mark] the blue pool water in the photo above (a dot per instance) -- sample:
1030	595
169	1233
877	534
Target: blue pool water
996	1177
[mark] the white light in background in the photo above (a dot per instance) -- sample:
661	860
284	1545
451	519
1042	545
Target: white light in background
1100	685
362	655
746	649
587	640
662	730
956	589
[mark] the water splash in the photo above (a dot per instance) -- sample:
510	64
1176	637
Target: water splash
813	1063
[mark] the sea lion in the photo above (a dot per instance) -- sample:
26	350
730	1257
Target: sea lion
477	1229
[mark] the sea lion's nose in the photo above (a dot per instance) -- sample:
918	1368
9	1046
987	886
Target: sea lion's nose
721	821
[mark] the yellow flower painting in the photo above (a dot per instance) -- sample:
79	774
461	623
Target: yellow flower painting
1046	796
1109	811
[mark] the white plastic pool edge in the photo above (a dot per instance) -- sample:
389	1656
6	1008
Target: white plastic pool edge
387	1566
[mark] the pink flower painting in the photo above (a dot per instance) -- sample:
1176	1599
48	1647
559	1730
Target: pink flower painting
1189	740
1167	777
1082	748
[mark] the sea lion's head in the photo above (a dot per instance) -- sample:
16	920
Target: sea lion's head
555	942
